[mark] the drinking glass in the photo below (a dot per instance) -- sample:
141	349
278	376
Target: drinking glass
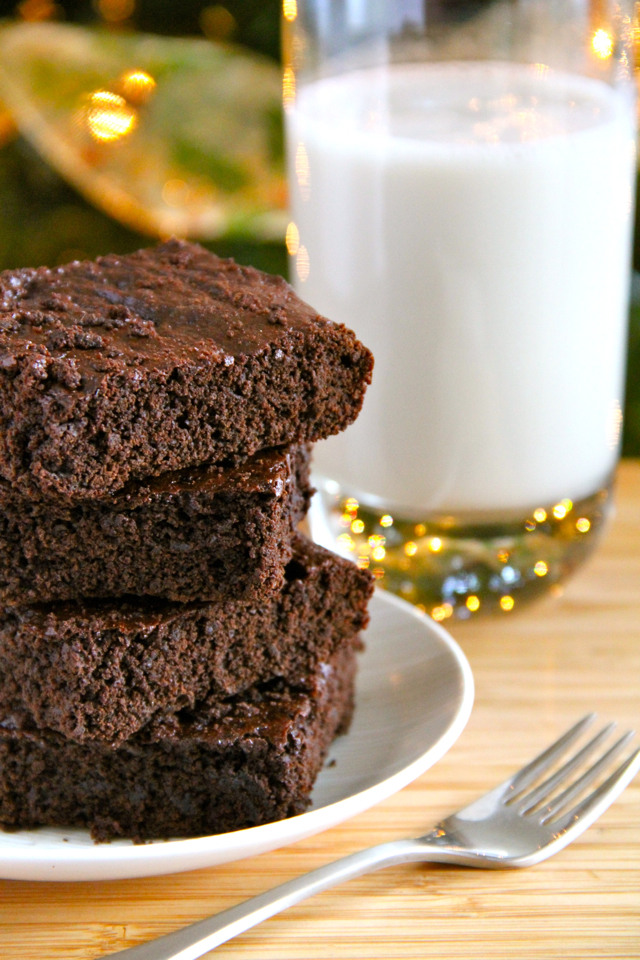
461	186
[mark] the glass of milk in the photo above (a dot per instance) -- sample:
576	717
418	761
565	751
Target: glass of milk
461	179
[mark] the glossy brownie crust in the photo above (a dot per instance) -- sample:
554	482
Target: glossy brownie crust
200	533
100	671
132	366
231	765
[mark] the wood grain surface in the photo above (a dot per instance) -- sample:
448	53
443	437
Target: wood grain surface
535	673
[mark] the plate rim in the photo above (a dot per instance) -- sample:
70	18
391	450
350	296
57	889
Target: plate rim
115	861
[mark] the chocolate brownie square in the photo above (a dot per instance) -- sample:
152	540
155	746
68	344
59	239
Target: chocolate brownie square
132	366
202	533
101	670
224	766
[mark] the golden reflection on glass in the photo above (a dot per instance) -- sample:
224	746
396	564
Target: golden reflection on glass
289	10
602	44
302	264
114	11
292	239
109	117
378	573
517	564
137	86
288	88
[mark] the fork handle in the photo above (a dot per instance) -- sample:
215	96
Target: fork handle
196	939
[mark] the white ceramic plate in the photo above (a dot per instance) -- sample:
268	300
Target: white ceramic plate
414	697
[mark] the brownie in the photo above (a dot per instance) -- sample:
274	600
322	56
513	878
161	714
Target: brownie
224	766
201	533
132	366
100	670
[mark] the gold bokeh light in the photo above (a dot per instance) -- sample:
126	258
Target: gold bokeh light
290	10
345	541
218	23
109	116
115	11
602	44
302	264
288	88
137	86
302	167
292	239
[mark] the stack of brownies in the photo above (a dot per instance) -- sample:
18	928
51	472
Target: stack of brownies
175	658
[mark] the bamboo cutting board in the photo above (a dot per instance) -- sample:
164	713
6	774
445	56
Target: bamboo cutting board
535	673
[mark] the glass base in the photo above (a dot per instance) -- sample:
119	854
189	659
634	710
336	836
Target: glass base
461	566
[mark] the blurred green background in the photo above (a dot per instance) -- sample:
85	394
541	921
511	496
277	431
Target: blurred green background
43	220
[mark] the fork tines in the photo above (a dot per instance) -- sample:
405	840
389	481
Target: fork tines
544	803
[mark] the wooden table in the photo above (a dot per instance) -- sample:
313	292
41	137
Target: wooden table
535	673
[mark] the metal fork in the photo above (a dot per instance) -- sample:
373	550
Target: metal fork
515	825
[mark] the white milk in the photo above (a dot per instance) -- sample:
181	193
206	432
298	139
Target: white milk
471	222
